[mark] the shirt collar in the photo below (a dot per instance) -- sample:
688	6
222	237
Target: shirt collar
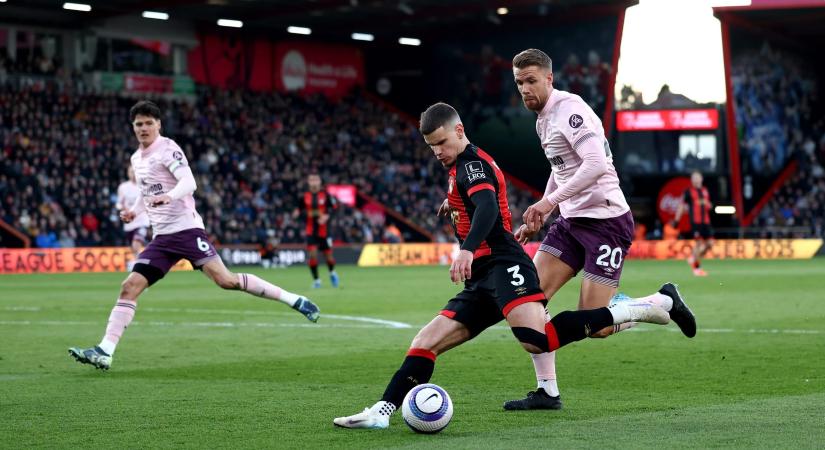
155	145
469	148
551	101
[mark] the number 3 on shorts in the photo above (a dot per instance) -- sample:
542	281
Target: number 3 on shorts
615	255
518	279
203	245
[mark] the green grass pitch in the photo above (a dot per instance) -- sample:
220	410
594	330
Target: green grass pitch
203	368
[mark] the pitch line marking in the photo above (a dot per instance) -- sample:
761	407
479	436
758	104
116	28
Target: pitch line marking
369	320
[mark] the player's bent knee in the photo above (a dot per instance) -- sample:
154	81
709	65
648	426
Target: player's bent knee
531	340
530	348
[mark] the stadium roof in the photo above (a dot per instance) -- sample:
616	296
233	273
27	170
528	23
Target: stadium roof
327	18
797	22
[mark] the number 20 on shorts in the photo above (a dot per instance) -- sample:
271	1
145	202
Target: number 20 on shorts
614	255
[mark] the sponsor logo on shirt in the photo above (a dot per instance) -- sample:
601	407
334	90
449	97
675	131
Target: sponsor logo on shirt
475	171
556	160
575	121
476	176
152	189
177	155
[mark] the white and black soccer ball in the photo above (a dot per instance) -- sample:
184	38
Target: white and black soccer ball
427	408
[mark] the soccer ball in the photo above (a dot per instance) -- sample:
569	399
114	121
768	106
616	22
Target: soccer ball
427	408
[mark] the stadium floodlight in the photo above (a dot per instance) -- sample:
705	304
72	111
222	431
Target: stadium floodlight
724	209
230	23
363	37
409	41
502	11
77	7
299	30
155	15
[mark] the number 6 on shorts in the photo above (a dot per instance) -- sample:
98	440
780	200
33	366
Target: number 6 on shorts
203	245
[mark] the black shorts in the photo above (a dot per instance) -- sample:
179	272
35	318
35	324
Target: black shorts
702	231
320	243
496	287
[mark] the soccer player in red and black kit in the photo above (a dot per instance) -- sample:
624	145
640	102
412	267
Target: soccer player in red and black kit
697	203
317	204
500	280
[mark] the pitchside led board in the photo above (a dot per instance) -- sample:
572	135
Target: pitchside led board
654	147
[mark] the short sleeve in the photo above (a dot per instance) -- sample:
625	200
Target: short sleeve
173	158
473	176
576	124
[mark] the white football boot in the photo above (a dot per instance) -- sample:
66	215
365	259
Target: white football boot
375	418
633	311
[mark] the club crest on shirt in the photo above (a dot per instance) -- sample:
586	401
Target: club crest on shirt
177	155
450	185
575	121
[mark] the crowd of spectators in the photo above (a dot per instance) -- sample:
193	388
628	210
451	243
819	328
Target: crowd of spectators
798	209
63	155
774	95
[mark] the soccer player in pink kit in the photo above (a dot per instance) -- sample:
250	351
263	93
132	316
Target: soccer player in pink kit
137	229
595	228
167	184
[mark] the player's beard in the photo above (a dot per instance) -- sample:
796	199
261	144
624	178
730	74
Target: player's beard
532	103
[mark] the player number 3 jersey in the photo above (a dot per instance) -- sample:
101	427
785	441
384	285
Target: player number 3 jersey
475	170
155	168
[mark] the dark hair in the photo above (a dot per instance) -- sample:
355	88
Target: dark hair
436	116
144	108
532	57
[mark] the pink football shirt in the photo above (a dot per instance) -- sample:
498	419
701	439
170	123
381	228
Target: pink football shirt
570	134
155	168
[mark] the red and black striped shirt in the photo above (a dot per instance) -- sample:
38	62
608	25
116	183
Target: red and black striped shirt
698	205
315	205
475	170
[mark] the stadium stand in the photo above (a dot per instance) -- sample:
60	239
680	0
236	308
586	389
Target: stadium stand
774	96
798	209
64	154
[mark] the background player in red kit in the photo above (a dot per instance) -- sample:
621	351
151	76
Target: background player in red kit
317	205
696	202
